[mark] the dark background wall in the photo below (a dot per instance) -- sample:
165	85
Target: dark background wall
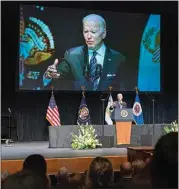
30	107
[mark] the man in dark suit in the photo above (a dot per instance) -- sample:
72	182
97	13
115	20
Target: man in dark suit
126	176
119	103
94	65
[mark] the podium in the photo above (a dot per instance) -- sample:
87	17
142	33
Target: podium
123	118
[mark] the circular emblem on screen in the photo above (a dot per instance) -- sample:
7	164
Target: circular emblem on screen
124	113
137	110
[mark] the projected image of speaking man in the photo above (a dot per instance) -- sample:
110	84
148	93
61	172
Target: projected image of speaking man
94	65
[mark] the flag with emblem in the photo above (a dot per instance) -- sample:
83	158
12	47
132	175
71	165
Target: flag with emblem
149	60
53	115
83	112
108	111
137	111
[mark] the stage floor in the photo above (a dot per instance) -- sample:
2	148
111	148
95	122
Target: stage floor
20	150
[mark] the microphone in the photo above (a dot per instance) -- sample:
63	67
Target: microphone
113	106
9	110
98	70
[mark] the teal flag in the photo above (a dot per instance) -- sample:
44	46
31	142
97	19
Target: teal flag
149	61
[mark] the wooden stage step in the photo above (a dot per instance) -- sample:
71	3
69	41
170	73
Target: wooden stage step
76	164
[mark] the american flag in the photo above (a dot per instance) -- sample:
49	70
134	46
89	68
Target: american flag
53	115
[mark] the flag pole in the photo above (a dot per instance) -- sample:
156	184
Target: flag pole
110	89
83	90
136	90
52	87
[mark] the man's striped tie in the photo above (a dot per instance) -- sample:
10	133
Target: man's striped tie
92	67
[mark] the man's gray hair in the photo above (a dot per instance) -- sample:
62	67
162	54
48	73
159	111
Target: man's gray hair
95	17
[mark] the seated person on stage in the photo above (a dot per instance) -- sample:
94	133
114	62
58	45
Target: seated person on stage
119	103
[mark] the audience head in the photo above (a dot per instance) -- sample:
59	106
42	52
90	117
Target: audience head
164	163
126	170
137	166
4	175
148	160
24	180
100	173
76	181
49	180
36	163
62	176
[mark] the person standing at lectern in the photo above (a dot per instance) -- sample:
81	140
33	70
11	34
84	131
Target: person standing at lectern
119	103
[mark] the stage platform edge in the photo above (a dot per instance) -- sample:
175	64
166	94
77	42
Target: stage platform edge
75	160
